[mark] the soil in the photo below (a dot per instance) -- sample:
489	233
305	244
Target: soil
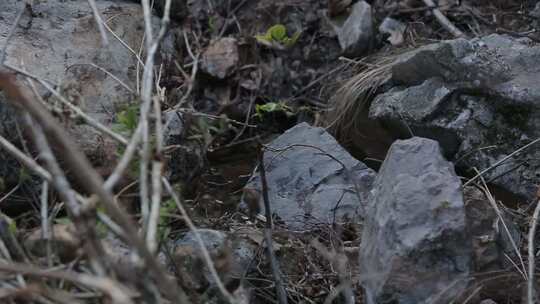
303	78
231	121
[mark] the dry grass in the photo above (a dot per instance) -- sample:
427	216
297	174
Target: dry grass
352	100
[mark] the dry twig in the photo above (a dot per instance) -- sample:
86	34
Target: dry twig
441	18
89	179
206	255
99	22
82	221
11	33
531	294
280	287
113	289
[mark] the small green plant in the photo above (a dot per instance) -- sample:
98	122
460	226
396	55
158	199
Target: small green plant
272	107
167	208
206	130
127	119
276	37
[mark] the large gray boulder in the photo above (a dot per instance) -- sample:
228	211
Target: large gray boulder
59	41
479	98
415	247
306	185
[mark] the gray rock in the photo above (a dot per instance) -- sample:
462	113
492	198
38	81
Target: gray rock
173	128
355	34
187	159
57	41
60	40
415	243
394	29
491	237
306	186
232	255
221	58
178	12
470	95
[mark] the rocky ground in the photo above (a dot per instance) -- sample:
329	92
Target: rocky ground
318	151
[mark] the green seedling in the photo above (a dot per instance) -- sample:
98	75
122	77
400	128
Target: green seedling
276	37
127	120
273	107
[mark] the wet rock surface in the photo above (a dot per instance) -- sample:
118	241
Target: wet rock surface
468	95
308	186
415	242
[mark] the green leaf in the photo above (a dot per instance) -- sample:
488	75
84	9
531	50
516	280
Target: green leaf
267	107
264	39
128	118
291	41
278	32
63	221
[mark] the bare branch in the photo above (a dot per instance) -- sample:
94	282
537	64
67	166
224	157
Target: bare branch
113	289
146	96
75	210
531	293
89	179
206	255
24	159
280	289
11	33
99	22
443	21
89	120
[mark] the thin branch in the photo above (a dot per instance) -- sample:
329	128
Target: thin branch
206	255
147	12
24	159
123	43
443	21
113	289
125	160
531	294
11	33
123	84
157	168
45	234
89	120
146	96
99	22
44	174
339	260
347	171
497	210
280	287
75	210
89	179
501	161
